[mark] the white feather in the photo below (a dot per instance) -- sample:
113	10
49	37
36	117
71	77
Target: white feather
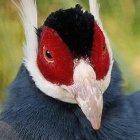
94	9
28	14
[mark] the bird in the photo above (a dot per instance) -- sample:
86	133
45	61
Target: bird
69	86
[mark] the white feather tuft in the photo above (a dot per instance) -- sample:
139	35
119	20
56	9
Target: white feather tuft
94	9
28	14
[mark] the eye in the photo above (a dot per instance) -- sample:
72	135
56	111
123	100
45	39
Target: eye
48	56
51	62
104	48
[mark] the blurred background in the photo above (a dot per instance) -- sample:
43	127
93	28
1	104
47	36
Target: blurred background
121	19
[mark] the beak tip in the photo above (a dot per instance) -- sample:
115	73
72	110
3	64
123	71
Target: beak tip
96	127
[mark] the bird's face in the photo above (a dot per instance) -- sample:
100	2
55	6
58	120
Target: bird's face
75	64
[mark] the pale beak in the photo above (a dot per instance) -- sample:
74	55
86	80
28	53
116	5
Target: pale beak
87	93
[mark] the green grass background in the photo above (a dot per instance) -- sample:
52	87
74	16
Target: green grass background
121	19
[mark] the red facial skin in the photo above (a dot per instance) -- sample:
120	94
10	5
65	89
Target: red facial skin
100	56
59	69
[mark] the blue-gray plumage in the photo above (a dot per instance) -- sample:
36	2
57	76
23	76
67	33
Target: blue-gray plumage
66	89
31	115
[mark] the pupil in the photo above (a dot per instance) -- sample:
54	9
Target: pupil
48	54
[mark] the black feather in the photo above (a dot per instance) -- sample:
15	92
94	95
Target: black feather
75	27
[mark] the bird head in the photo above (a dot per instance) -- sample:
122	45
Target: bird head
71	59
73	56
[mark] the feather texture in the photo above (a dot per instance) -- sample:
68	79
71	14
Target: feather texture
28	13
94	9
